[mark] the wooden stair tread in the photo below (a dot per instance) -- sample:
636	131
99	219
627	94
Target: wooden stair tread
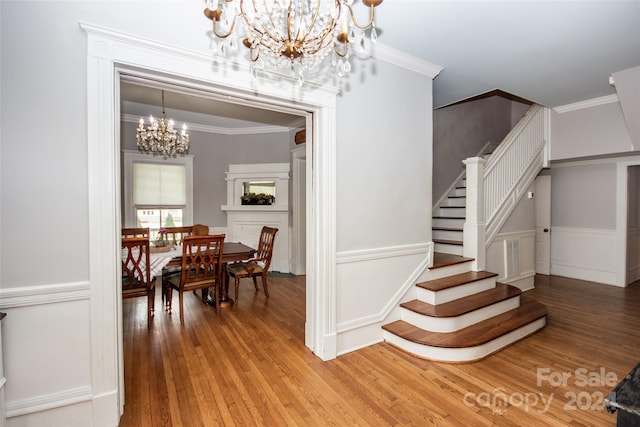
457	197
455	280
441	259
448	242
464	305
474	335
449	217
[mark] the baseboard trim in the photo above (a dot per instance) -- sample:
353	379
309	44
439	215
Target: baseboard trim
523	281
48	401
582	273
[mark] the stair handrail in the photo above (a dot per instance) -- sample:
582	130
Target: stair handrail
498	183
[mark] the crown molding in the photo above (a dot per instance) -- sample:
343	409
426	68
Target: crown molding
396	57
130	118
589	103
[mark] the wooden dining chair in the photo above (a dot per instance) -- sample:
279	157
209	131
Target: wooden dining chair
201	269
136	272
257	266
200	230
175	235
135	232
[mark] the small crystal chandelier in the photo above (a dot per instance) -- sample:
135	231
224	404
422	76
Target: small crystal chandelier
296	34
161	137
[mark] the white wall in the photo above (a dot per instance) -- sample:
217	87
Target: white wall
586	130
628	88
383	200
589	143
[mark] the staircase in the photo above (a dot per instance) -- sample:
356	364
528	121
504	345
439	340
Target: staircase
448	220
461	313
449	214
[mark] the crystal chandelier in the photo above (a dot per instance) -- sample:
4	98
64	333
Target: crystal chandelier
296	34
161	138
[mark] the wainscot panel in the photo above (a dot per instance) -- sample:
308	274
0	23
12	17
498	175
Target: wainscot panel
45	391
512	256
586	254
371	284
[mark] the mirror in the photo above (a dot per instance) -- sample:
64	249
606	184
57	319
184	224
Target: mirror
258	192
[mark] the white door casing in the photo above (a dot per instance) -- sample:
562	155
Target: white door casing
542	199
299	207
110	53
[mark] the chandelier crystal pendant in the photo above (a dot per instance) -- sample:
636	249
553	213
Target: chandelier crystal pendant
295	34
160	137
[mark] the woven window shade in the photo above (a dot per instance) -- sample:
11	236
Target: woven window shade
159	185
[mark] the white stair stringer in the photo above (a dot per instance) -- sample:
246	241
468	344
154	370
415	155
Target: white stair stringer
464	354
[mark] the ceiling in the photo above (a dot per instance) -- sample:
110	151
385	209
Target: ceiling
549	52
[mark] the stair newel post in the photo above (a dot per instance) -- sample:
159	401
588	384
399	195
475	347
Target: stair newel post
474	226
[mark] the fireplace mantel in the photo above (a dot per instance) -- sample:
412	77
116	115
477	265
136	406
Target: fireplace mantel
244	222
238	175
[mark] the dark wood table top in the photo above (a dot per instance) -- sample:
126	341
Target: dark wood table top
232	252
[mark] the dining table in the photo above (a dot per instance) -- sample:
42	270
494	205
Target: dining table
232	252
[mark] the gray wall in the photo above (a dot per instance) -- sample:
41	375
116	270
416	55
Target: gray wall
584	196
633	224
213	153
461	130
383	159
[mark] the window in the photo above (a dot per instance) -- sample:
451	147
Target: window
157	191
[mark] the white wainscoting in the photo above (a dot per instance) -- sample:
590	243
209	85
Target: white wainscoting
53	392
584	253
512	256
371	283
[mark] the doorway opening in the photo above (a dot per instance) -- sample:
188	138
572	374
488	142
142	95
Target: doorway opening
110	53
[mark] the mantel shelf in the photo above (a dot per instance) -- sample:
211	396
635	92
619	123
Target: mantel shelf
254	208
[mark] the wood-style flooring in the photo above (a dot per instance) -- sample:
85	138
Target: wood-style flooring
249	366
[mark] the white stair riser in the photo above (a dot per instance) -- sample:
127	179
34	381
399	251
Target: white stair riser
458	192
439	273
461	291
455	201
447	235
458	212
448	249
452	324
463	354
448	222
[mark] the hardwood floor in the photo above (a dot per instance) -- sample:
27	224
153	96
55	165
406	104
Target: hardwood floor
249	366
